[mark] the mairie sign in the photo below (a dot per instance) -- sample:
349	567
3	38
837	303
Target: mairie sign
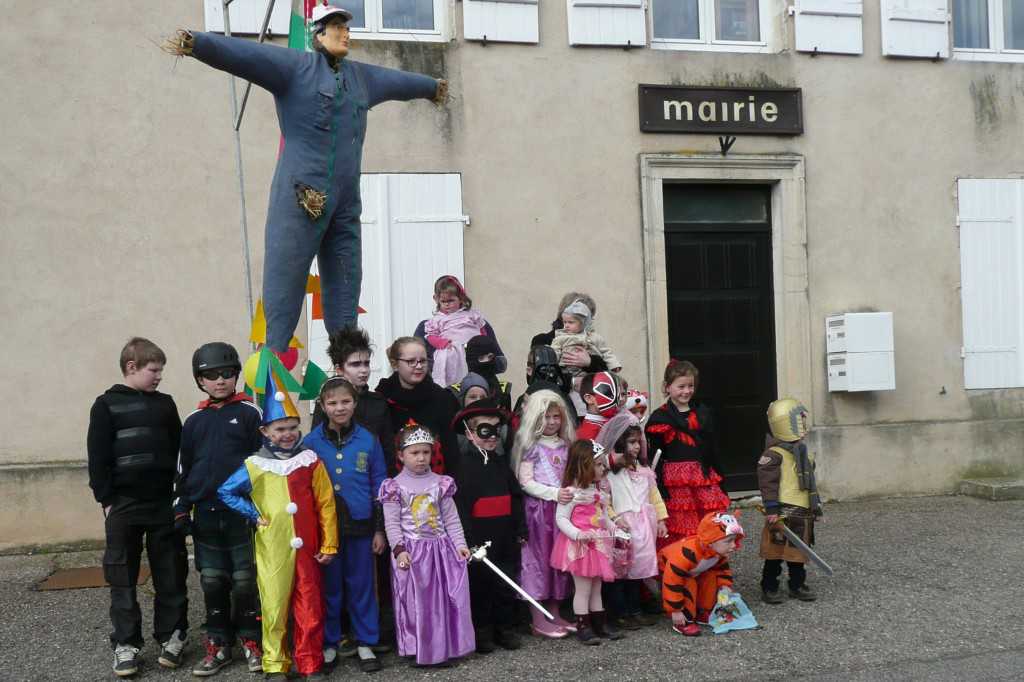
750	111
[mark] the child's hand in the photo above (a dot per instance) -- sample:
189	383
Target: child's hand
771	519
621	523
262	522
565	495
380	543
323	559
662	530
465	553
404	560
587	535
438	342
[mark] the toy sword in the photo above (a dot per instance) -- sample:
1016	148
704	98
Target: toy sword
802	546
480	554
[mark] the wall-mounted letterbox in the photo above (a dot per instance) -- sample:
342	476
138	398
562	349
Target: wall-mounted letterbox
860	352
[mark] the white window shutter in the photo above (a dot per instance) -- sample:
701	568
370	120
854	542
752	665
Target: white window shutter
607	22
990	281
412	233
915	28
247	16
508	21
834	26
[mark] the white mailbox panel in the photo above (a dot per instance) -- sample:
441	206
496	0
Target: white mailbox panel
858	333
861	371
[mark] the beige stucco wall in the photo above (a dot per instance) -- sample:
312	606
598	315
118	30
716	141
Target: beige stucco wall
119	215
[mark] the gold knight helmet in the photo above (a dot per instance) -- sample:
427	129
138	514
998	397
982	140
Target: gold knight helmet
788	419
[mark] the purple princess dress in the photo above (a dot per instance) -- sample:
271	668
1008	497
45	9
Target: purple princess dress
431	597
540	475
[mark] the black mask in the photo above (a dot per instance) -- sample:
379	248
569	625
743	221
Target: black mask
486	431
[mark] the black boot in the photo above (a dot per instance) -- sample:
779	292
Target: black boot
602	628
485	640
583	631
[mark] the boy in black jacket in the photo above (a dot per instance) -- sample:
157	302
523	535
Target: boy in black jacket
490	504
215	441
133	438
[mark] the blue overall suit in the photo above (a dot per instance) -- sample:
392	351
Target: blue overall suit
322	115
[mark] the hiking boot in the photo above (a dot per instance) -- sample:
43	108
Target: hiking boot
217	656
253	655
368	661
602	628
126	660
690	629
803	593
170	652
647	619
627	622
507	639
583	631
484	642
771	596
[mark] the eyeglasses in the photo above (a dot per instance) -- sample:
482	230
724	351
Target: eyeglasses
414	362
214	374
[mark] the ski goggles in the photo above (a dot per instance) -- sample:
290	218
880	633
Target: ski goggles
223	373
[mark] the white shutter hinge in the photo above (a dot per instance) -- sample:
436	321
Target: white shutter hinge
791	10
963	353
958	221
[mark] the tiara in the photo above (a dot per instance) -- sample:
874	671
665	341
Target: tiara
598	449
417	436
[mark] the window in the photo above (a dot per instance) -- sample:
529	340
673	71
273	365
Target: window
246	16
991	219
716	25
396	19
989	30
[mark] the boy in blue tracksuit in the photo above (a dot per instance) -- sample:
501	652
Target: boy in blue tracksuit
355	461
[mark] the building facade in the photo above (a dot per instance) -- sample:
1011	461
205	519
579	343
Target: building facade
900	192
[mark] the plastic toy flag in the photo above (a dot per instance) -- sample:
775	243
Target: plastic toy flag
311	383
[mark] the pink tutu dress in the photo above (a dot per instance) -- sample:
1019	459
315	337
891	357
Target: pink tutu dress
635	498
584	558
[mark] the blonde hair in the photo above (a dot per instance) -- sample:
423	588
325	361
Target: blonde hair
531	427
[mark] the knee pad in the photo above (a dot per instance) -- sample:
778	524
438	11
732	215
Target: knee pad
214	580
243	582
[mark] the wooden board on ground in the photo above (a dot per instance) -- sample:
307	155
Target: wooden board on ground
80	578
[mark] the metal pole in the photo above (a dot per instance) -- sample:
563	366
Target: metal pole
248	84
241	175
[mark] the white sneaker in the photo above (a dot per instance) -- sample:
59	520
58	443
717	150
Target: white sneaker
170	653
126	660
330	656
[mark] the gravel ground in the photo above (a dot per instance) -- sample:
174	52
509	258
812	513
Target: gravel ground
925	588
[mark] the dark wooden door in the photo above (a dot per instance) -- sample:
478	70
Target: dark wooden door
719	266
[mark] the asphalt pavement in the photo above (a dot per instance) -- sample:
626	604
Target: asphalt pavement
926	588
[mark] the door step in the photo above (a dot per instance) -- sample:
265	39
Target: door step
996	489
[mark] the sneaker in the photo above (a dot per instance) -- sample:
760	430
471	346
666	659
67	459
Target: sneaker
330	657
348	648
368	661
126	660
217	657
253	655
507	639
803	593
170	653
687	629
771	596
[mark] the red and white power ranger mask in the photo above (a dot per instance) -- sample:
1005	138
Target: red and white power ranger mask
606	394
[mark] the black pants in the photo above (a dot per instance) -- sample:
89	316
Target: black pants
168	563
773	569
226	563
622	598
492	601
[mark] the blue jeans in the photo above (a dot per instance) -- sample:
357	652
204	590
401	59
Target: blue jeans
291	243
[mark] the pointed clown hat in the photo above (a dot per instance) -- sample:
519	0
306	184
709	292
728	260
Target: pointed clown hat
277	404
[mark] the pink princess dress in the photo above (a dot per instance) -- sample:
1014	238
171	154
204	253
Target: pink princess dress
431	597
635	498
584	558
